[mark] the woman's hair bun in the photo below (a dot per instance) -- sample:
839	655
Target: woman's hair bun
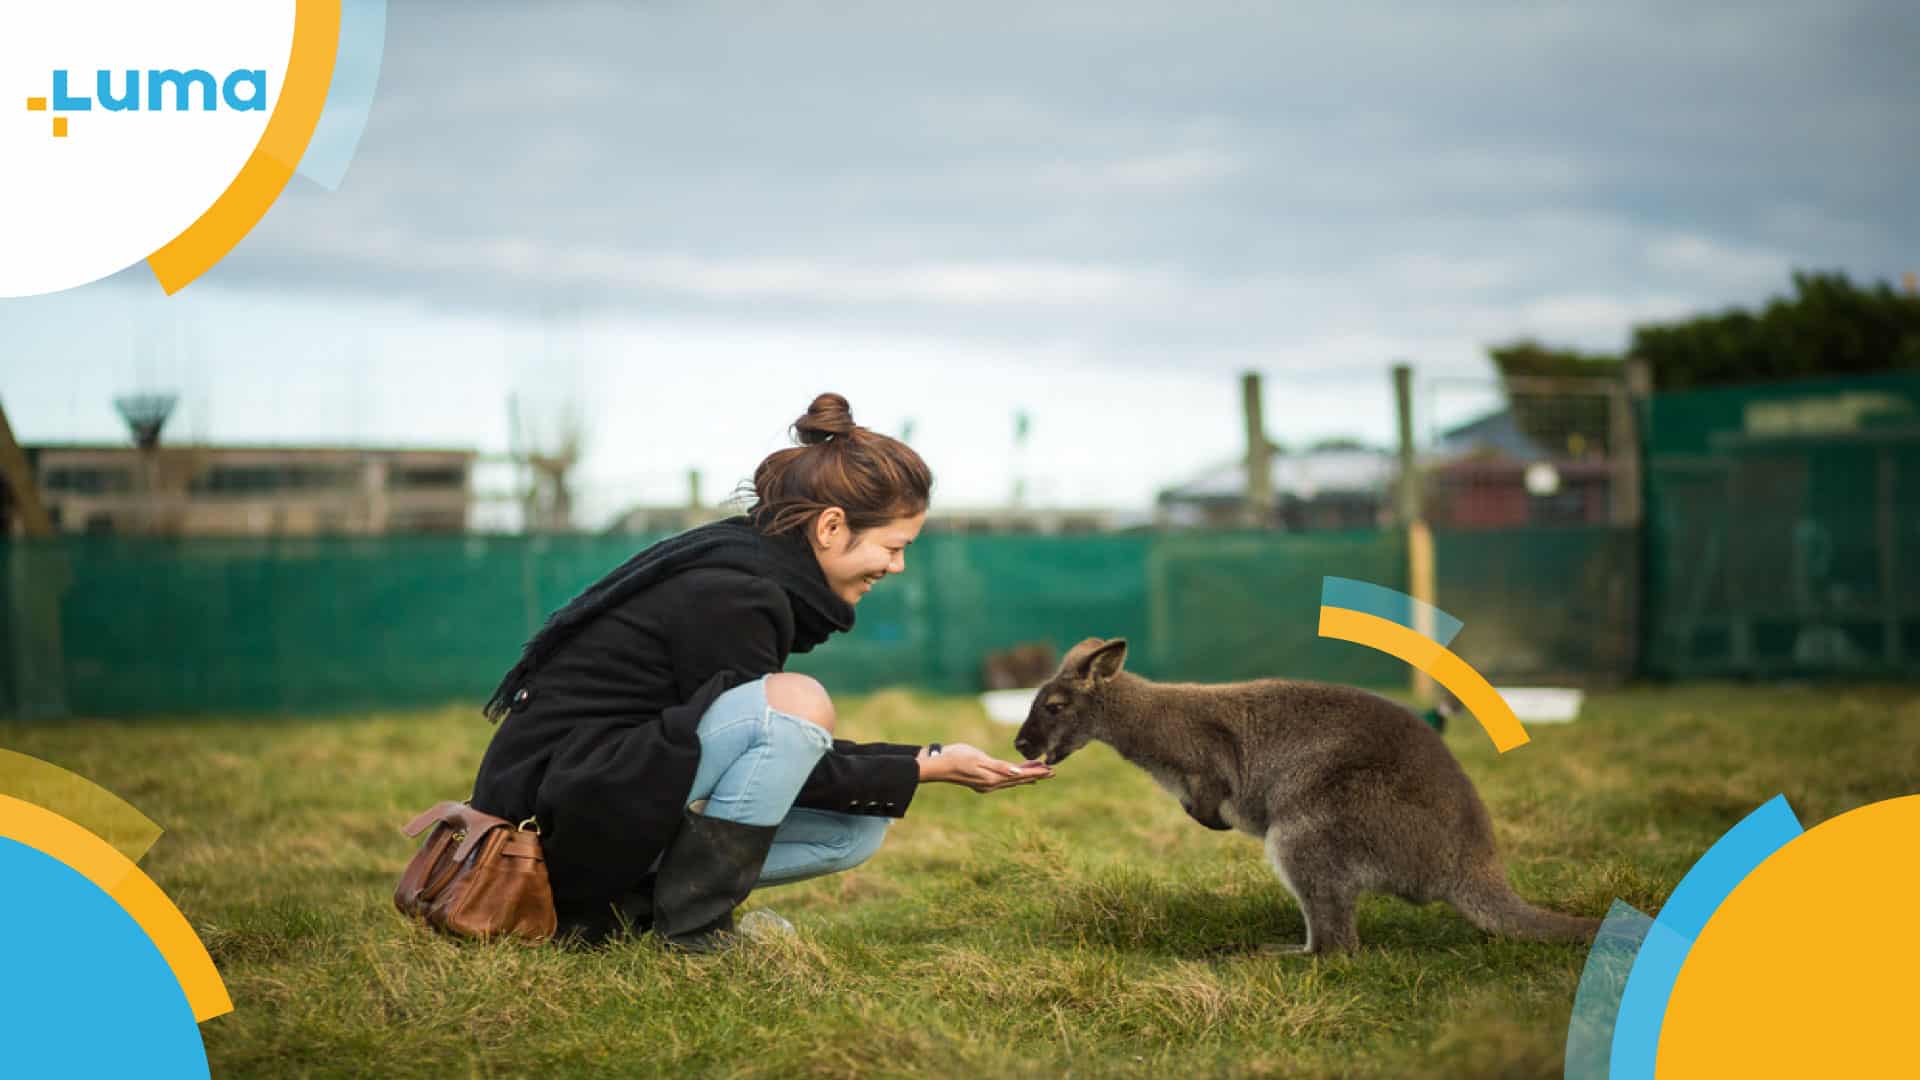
874	478
829	415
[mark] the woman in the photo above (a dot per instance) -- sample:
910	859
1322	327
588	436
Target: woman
648	729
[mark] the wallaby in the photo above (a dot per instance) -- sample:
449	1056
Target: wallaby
1351	792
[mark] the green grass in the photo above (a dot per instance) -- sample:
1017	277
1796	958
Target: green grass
1079	927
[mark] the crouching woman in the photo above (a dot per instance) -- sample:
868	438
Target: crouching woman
669	762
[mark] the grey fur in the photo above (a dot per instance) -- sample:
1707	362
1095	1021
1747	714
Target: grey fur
1351	793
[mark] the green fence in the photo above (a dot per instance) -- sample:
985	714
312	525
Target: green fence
1782	536
1783	530
104	626
1559	605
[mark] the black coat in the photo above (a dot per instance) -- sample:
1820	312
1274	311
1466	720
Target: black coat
599	742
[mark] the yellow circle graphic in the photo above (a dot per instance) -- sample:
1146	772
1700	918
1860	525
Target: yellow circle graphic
1808	967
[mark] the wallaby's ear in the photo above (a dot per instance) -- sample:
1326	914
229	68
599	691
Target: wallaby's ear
1075	665
1105	662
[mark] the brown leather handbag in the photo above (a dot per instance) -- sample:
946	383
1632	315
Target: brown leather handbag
477	876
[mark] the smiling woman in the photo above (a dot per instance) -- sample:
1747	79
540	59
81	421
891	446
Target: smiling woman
670	764
854	486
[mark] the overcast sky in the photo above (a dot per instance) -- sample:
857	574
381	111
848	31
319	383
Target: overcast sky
690	217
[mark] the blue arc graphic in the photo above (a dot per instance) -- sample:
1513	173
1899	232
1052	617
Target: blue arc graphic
1389	604
1614	1033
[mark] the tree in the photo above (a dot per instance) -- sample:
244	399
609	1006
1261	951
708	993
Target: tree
1563	424
1528	357
1829	326
1337	442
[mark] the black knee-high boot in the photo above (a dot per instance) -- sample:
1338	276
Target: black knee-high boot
708	869
598	923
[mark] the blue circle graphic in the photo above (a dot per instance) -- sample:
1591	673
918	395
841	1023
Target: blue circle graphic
83	990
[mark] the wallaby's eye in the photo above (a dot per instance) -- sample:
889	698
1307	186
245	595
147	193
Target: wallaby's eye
1054	706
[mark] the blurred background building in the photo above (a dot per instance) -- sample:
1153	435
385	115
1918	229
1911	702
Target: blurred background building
253	491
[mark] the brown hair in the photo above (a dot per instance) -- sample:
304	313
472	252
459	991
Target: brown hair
875	478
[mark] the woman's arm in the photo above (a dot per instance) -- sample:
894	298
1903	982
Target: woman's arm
972	768
868	749
883	784
877	784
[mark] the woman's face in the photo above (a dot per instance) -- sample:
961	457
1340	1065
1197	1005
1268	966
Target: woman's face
853	563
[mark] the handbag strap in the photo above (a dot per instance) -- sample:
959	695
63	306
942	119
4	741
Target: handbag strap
469	825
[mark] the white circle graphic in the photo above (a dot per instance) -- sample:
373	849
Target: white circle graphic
87	189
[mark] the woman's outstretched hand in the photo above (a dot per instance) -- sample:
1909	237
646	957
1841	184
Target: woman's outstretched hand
969	767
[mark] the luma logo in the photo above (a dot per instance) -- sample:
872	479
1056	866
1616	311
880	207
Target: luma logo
243	90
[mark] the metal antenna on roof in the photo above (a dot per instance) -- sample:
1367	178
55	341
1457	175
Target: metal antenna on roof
145	415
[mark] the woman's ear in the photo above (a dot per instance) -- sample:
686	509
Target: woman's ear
830	527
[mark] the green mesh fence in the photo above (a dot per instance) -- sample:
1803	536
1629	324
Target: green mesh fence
1241	606
1783	529
1557	605
104	626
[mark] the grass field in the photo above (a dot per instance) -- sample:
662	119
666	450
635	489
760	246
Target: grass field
1078	927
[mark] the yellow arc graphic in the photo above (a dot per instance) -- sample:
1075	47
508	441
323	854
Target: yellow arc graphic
79	800
1428	655
118	877
303	93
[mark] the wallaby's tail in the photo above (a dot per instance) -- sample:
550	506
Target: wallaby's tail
1493	906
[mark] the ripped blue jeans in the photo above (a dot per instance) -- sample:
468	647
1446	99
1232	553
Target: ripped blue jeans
753	761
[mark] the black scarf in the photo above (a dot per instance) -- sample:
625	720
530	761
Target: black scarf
733	544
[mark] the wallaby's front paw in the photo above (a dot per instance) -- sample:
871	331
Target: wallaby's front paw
1211	819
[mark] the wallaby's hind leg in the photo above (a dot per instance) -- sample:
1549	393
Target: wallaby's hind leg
1327	899
1331	924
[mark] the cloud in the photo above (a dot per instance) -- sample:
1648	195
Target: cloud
1728	266
1094	190
1110	167
1169	171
